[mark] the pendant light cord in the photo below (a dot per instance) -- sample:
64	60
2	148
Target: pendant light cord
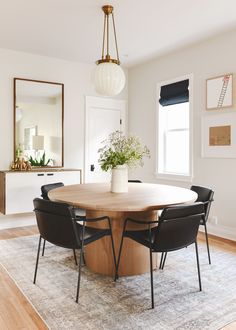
104	32
106	42
114	28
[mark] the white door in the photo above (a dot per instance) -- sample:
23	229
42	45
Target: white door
103	116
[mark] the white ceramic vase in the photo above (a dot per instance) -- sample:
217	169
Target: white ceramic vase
119	179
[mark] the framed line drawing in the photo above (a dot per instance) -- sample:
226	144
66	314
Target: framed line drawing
219	135
219	92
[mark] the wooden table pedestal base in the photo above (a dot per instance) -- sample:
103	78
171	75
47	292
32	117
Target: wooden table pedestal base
134	258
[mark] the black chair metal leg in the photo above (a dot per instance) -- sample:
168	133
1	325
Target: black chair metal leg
151	276
37	260
198	267
207	243
113	251
118	261
112	245
80	264
151	266
84	259
75	257
162	255
44	242
164	260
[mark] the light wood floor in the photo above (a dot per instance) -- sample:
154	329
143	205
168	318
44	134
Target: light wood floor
15	310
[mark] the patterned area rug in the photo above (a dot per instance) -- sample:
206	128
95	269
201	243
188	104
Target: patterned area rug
125	304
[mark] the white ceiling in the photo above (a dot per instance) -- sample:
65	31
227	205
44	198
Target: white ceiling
72	29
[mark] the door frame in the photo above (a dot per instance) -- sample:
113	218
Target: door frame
101	102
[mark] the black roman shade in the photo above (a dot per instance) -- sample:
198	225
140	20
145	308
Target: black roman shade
174	93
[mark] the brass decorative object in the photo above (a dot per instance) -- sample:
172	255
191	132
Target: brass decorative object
20	164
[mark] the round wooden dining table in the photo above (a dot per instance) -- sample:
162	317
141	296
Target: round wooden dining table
141	202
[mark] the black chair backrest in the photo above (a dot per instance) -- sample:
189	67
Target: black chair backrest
205	195
178	227
47	187
135	181
55	222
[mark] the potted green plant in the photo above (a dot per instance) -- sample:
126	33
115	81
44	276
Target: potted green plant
119	153
41	162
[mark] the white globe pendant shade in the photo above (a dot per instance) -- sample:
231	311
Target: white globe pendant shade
109	79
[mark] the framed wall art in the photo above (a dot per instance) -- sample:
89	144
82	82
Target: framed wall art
219	92
219	135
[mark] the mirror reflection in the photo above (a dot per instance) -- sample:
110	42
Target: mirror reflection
38	117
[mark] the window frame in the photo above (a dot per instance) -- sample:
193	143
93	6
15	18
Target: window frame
171	176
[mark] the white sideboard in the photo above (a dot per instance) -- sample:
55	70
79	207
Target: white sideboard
18	189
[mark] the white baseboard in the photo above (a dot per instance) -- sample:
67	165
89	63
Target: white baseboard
17	220
220	231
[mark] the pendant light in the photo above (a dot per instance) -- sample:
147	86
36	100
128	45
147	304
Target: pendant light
109	78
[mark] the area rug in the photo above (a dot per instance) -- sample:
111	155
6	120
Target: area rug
125	304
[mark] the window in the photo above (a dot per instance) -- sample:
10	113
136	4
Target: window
173	147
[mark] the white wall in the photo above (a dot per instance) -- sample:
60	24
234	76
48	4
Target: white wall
211	58
76	78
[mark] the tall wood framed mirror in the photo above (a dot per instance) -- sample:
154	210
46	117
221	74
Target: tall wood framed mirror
38	122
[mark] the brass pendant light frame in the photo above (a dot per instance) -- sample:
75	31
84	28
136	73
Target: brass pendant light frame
108	10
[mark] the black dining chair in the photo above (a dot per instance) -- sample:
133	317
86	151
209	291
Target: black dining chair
176	228
47	187
58	225
79	213
205	195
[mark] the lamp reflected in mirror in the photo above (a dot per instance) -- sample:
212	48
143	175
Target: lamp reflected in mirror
38	145
38	142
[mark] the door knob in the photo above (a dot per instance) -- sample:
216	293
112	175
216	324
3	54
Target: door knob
92	167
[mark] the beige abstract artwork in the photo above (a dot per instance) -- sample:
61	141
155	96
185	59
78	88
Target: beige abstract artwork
220	136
